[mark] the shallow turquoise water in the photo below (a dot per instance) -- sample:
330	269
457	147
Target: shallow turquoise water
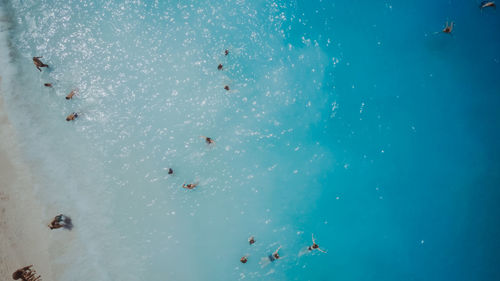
350	120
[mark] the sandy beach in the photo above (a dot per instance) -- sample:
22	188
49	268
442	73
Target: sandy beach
24	234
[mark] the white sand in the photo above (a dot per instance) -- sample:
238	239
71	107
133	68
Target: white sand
24	235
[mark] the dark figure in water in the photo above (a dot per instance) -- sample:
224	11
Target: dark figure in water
61	221
486	4
170	171
219	67
48	85
21	271
72	116
244	259
71	94
26	274
275	255
208	140
38	63
226	52
315	246
189	185
226	88
251	240
448	28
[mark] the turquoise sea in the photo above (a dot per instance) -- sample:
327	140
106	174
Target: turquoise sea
357	121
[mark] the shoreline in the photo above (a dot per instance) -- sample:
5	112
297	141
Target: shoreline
24	236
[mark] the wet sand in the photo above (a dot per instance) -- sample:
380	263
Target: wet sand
24	235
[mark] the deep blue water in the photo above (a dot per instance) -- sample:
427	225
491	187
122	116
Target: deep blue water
357	121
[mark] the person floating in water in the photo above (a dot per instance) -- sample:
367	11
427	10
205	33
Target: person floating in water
72	116
71	94
226	52
48	85
26	274
38	63
61	221
486	4
448	28
315	246
275	255
219	67
251	240
170	171
226	88
189	185
22	272
208	140
244	259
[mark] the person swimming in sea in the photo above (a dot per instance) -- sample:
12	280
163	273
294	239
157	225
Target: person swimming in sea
251	240
208	140
22	272
274	256
448	28
48	85
189	185
219	67
244	259
265	261
26	274
486	4
71	94
170	171
226	88
315	246
72	116
226	52
38	63
61	221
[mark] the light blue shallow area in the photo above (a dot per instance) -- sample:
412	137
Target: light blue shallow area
358	121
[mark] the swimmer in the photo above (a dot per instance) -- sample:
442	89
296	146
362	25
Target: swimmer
208	140
226	88
226	52
71	94
486	4
189	185
219	67
25	274
38	63
244	259
275	255
251	240
48	85
21	272
170	171
56	222
55	225
448	28
61	221
72	116
315	246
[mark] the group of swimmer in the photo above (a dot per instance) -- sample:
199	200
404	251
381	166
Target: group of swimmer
220	67
62	221
275	255
27	273
485	4
209	141
39	64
